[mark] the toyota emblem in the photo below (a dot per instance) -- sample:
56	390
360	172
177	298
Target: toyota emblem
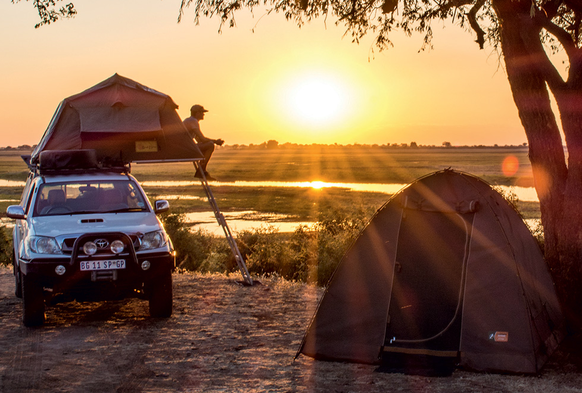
101	243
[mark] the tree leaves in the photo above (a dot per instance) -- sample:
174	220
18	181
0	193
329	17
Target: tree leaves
389	6
49	14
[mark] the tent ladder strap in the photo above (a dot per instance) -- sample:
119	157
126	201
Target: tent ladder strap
222	222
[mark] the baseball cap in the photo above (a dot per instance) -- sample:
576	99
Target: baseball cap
198	108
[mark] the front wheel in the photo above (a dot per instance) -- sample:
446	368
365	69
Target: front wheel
18	283
32	301
161	297
17	278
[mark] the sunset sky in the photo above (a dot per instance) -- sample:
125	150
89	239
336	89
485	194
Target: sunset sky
308	85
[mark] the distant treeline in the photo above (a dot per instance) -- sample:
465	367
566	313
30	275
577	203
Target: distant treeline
272	144
21	147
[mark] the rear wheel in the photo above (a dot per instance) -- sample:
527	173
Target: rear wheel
32	301
160	299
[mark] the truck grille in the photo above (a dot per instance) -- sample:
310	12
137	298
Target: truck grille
69	243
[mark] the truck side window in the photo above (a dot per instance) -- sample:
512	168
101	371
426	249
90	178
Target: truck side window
27	194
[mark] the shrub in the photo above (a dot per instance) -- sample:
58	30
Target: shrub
337	230
5	246
330	250
536	230
310	254
264	250
538	233
219	260
192	248
302	266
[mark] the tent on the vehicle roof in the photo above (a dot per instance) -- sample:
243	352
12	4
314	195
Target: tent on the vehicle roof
123	121
446	269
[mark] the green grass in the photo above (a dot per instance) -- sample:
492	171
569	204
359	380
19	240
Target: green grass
12	167
331	164
300	204
308	254
349	164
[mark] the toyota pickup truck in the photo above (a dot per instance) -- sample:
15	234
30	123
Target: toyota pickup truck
88	233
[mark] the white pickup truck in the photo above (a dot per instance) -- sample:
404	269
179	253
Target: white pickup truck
88	233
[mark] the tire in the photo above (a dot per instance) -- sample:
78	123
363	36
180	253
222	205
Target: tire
17	278
18	284
161	297
32	301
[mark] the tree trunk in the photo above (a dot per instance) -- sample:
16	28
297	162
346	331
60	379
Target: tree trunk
559	186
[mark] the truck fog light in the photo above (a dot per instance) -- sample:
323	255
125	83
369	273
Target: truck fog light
117	246
89	248
145	265
60	270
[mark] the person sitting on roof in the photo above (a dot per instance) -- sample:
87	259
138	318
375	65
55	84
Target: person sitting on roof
206	145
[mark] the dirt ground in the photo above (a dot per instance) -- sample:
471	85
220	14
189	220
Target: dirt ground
223	337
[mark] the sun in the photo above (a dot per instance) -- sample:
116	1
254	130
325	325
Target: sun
316	100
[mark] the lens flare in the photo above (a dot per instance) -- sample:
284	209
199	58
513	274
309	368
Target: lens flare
510	165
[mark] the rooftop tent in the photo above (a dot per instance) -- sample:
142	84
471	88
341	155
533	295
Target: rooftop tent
123	121
446	269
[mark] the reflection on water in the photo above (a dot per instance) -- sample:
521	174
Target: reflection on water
246	220
179	197
369	187
241	221
11	183
526	194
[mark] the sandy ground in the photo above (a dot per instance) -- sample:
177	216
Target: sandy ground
223	337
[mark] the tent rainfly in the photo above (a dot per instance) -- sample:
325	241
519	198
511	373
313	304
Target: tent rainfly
123	121
446	269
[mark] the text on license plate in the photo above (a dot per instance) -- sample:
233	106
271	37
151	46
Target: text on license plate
103	265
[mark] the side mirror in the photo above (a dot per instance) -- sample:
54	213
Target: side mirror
15	211
161	206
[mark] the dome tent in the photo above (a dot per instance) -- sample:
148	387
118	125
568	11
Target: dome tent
123	121
446	270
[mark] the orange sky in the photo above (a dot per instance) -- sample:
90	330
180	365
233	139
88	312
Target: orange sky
305	85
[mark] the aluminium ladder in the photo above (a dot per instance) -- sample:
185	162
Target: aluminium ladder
222	222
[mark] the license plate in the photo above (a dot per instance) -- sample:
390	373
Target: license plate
112	264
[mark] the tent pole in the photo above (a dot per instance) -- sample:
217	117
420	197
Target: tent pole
222	222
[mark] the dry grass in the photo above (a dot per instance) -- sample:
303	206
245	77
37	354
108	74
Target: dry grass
223	337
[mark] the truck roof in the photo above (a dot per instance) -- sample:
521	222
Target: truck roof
57	177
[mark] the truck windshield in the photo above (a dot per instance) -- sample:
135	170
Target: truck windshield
89	197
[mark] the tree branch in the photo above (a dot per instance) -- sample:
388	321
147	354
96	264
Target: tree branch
562	35
472	15
531	37
574	5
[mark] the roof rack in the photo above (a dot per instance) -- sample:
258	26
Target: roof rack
74	162
113	169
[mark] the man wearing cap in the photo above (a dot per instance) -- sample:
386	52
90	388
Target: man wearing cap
206	145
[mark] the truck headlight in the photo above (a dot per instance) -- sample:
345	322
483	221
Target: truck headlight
152	240
44	245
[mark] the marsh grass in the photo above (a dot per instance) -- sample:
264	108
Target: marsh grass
348	164
311	253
